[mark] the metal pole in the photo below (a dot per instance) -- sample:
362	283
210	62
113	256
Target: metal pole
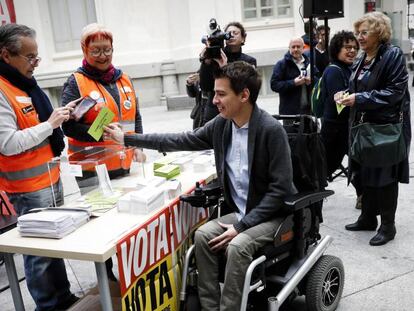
326	34
311	47
103	284
14	282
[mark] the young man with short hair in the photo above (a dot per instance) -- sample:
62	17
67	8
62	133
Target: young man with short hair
254	167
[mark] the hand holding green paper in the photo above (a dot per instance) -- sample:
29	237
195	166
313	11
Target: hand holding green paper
104	117
339	97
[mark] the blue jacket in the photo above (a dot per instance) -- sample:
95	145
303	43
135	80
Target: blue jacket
283	82
335	81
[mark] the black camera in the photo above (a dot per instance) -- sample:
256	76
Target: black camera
215	39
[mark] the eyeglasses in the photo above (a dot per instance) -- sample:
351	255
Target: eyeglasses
349	48
32	60
363	33
97	53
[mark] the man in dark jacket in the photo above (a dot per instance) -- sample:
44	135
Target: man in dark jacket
232	52
253	164
291	79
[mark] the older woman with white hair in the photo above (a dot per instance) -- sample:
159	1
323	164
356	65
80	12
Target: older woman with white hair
378	94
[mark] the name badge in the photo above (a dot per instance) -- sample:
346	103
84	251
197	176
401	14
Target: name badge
127	104
24	99
27	109
127	89
94	95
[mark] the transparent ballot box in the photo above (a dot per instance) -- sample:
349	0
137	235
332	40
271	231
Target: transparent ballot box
86	175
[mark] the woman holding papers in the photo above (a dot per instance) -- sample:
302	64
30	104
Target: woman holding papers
100	86
343	49
379	99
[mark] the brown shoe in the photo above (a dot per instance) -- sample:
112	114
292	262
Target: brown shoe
358	204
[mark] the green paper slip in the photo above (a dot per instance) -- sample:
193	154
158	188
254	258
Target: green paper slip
339	108
104	117
168	171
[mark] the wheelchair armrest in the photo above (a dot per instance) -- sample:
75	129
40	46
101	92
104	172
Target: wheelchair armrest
304	199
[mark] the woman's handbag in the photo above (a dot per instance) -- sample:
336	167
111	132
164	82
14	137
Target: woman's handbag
377	145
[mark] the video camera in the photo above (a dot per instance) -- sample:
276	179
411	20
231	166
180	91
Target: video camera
215	39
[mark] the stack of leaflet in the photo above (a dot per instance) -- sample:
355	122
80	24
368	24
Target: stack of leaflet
163	161
51	222
142	201
167	171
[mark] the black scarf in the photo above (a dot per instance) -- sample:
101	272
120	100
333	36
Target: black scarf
40	102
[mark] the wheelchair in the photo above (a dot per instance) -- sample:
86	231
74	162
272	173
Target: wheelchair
294	264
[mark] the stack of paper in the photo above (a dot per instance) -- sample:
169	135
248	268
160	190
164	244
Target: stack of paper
168	171
163	161
154	181
51	223
183	162
202	163
142	201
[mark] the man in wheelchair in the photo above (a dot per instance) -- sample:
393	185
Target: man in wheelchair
253	164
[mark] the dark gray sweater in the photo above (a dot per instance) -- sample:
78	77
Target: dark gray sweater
270	167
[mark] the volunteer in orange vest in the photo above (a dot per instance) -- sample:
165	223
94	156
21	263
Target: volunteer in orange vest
30	136
108	87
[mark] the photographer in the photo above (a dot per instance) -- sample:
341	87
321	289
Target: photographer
230	53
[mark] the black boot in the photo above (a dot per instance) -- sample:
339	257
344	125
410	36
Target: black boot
385	234
361	226
367	221
388	196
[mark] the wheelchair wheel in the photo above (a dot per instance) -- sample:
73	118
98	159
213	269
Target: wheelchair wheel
325	284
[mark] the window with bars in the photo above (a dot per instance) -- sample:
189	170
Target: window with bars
68	18
262	9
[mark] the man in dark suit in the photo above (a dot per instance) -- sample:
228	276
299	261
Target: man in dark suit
253	164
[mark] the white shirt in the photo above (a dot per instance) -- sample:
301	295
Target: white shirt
237	167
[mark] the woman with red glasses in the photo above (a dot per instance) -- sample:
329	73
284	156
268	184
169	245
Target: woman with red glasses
98	80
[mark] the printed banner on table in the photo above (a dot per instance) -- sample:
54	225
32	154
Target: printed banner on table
7	14
150	258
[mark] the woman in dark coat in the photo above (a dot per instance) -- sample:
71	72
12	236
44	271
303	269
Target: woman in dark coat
343	49
379	87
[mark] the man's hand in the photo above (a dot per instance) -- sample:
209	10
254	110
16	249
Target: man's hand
220	242
114	132
300	80
307	80
60	115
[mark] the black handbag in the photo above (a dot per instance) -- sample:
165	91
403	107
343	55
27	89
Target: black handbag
377	145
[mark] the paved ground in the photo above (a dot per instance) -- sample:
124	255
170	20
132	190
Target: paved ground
380	278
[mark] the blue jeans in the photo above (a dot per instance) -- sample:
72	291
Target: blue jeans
46	278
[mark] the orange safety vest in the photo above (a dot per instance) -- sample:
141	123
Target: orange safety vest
28	171
124	114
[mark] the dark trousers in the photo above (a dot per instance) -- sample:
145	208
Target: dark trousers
335	139
379	200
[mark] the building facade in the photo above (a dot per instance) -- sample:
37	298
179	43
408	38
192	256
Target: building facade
157	42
